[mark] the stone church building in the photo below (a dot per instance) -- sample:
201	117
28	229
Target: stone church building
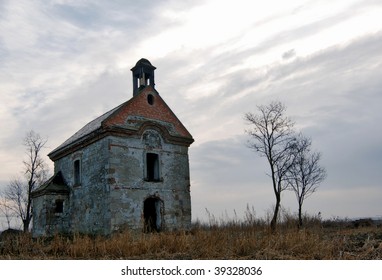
127	169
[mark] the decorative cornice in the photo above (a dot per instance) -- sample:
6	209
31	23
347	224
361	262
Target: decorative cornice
119	132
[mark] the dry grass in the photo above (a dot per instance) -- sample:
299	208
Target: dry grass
230	240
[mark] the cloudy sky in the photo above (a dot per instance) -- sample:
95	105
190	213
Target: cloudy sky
65	62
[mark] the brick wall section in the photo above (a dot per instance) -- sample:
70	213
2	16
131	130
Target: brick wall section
139	106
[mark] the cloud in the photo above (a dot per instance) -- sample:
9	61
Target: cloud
63	63
289	54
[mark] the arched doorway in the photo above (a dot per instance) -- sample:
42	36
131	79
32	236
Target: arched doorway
152	213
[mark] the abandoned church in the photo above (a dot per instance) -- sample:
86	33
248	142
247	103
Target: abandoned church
127	169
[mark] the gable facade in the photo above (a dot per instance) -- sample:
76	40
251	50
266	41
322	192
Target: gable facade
127	169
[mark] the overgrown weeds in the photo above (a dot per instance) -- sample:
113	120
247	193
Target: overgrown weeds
218	239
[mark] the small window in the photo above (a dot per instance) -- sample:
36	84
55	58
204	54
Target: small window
59	206
150	99
77	173
152	167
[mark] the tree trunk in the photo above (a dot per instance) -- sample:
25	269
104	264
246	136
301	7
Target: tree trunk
26	225
27	222
275	213
300	215
29	200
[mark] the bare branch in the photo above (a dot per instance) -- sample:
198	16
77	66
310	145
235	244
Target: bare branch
305	174
272	136
17	192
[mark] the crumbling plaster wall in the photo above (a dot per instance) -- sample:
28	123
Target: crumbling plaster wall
46	221
39	216
129	186
114	184
89	200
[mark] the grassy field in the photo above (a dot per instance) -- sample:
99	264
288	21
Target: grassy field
251	239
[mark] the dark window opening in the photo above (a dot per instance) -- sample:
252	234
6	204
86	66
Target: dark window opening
59	207
152	212
150	99
77	173
152	167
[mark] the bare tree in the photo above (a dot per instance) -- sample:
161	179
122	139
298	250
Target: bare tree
305	174
18	192
273	137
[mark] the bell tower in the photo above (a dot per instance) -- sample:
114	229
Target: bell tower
143	75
